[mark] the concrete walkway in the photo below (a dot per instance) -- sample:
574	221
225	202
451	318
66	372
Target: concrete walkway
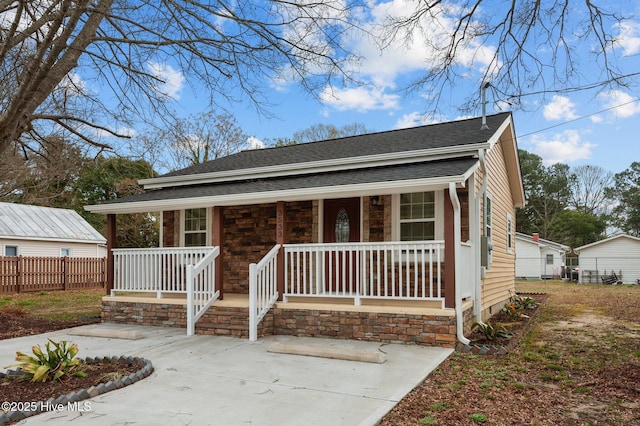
208	380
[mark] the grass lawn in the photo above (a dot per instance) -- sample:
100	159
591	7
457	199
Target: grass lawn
55	305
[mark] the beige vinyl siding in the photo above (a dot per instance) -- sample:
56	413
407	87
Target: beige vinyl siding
52	248
499	280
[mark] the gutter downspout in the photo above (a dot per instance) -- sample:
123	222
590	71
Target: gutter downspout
477	303
455	202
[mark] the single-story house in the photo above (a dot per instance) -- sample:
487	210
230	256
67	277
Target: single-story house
47	232
537	258
398	236
619	254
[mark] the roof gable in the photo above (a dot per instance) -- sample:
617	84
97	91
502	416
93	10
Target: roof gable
541	241
607	240
20	221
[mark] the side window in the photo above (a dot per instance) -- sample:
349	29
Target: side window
509	233
195	227
10	250
65	252
488	220
550	259
417	216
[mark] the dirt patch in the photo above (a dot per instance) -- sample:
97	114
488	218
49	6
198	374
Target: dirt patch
17	323
577	363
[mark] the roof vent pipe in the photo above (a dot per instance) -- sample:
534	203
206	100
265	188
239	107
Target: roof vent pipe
483	91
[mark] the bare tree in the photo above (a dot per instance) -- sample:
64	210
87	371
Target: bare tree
45	178
185	142
588	189
318	132
522	47
50	49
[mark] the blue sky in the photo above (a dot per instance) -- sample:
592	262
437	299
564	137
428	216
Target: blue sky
598	127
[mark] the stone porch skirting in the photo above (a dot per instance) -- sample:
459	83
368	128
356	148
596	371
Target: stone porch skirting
430	327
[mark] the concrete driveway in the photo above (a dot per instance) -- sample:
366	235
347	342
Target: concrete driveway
208	380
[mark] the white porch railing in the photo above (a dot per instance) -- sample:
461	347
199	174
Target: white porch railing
262	289
155	270
402	271
201	288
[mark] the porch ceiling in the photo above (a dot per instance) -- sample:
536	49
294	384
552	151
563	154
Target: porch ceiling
370	181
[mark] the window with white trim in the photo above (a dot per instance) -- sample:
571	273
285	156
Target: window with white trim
488	220
509	233
195	227
550	259
10	250
417	216
65	252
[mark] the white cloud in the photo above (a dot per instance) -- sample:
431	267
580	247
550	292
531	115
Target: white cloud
628	37
415	119
358	98
410	51
170	81
560	108
414	49
565	147
255	143
624	104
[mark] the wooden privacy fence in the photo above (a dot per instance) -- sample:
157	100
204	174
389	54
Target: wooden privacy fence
23	273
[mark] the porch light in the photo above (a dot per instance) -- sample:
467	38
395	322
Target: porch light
375	200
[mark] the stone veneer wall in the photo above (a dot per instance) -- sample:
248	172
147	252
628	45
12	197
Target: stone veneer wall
142	313
169	219
429	330
218	320
250	232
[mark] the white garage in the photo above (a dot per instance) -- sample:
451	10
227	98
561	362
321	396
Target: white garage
619	254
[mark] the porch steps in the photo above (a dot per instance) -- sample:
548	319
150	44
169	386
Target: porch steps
332	351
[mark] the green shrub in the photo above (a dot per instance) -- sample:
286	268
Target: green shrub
56	361
491	332
525	302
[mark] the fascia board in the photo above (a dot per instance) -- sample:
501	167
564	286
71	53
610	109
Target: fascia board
372	188
348	163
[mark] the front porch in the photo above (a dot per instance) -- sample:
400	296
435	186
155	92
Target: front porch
384	292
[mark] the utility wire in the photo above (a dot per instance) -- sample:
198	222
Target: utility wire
578	118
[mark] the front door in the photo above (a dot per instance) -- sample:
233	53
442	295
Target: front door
341	225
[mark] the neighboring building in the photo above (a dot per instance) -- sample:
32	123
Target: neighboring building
414	227
537	258
619	254
47	232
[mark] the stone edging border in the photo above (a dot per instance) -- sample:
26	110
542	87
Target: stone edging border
82	394
498	349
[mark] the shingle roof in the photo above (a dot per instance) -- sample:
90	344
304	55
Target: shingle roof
462	132
416	156
425	170
45	223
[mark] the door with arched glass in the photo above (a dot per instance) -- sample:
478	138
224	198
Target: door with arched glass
341	225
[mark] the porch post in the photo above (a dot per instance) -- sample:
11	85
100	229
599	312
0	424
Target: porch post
281	233
218	240
449	253
111	244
